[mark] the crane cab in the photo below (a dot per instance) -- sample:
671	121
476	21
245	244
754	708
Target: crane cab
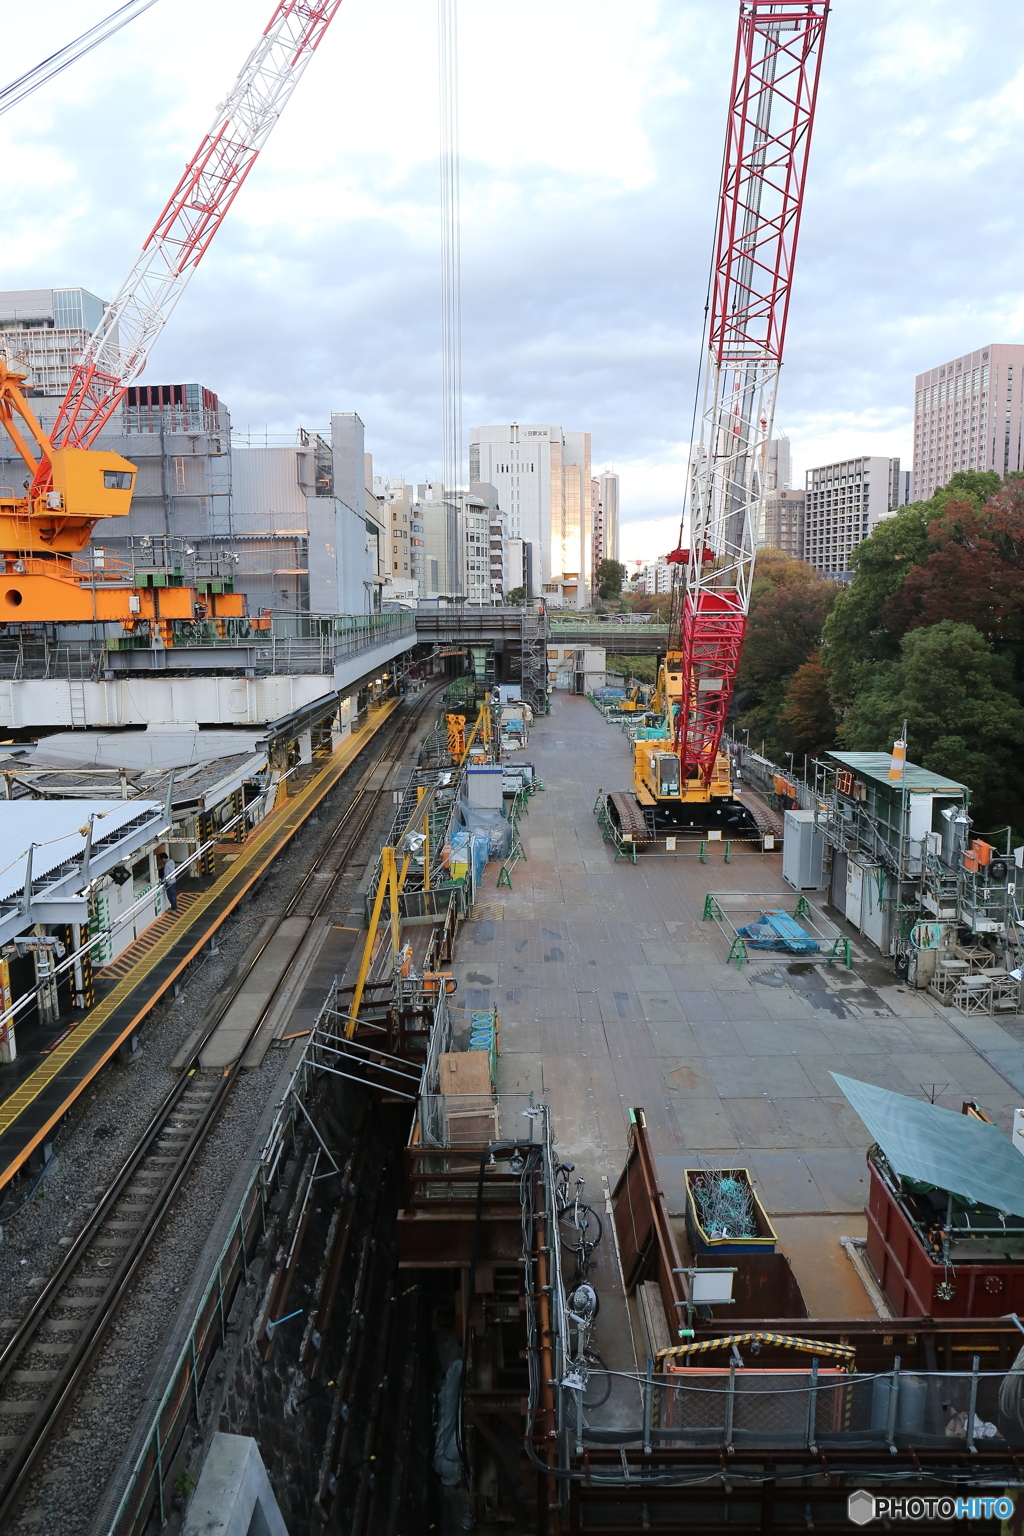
657	781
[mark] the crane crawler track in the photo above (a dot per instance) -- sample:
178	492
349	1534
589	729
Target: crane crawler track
627	813
69	1320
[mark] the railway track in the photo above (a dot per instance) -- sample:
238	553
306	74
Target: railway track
43	1365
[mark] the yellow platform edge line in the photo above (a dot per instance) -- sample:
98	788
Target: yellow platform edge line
27	1092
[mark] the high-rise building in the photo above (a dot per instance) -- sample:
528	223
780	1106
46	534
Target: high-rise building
779	469
654	579
845	502
43	332
783	520
479	507
397	515
777	477
604	505
968	415
542	479
519	566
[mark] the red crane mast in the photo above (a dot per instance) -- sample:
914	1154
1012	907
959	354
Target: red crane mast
771	115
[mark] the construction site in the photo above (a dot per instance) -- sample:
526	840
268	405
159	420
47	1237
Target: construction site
445	1086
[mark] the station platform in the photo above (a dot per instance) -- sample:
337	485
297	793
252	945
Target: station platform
613	992
40	1087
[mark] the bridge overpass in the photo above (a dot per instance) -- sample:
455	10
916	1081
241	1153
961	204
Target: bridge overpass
621	639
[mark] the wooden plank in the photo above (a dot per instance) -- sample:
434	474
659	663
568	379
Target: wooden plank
464	1072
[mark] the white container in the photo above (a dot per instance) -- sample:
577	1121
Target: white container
803	852
484	787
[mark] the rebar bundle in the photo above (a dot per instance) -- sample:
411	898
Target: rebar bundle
725	1205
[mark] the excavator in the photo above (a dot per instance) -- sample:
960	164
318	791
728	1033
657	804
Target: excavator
49	570
682	783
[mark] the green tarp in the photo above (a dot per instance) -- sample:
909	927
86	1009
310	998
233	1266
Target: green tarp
937	1146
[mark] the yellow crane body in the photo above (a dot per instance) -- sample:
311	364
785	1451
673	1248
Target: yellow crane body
49	573
656	764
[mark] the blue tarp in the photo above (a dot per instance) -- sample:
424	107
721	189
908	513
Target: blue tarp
777	930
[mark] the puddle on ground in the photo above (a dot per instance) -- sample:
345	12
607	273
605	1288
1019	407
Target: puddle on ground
809	981
769	978
479	976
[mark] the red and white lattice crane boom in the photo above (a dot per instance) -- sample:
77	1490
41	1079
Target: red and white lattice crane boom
116	354
771	115
71	485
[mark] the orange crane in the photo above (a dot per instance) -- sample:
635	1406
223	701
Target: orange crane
48	573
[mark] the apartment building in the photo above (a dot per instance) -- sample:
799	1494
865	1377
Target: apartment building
844	503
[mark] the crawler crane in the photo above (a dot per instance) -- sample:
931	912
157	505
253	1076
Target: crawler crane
48	572
687	785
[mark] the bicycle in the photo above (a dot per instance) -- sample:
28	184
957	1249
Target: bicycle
584	1361
586	1223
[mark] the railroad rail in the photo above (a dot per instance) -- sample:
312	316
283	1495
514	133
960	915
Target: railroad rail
69	1320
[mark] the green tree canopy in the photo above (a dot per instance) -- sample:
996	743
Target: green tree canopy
610	575
863	627
973	571
963	718
807	721
789	604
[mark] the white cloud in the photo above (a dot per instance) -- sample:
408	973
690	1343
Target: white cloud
646	539
592	136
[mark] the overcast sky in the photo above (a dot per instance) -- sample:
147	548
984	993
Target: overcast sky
591	141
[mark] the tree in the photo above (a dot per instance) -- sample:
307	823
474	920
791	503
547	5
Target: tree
643	668
856	637
517	597
863	627
660	606
610	575
963	718
807	720
789	604
973	571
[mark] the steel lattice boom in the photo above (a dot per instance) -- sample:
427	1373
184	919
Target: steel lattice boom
771	114
116	354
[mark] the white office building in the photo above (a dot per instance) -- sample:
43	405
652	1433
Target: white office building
541	475
843	504
968	415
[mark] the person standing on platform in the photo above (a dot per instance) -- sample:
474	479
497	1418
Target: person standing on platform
168	872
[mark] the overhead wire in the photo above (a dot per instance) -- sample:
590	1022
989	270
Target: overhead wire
14	93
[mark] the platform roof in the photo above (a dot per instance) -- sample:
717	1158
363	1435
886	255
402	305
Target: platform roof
140	750
57	829
875	765
936	1146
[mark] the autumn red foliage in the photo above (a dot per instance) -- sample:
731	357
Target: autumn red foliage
973	573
